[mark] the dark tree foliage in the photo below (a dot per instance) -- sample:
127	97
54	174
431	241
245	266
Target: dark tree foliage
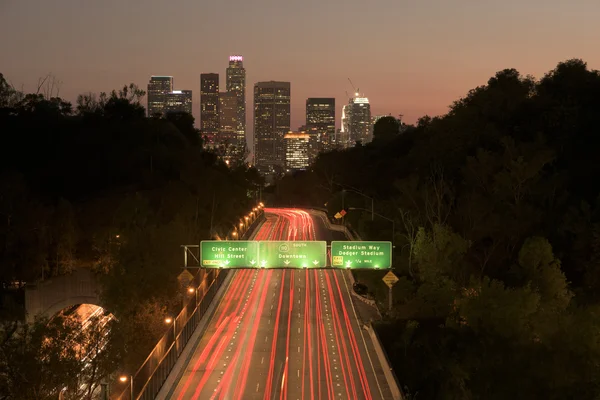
497	213
386	128
101	186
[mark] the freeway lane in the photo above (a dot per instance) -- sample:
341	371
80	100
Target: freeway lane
283	334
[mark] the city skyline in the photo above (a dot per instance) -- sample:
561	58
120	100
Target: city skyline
403	73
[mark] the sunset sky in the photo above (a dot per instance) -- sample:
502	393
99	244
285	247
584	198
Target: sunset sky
408	57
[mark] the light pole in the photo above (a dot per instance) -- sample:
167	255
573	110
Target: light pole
123	378
381	216
169	320
345	188
192	290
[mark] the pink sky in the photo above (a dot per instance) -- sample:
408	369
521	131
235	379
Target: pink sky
407	57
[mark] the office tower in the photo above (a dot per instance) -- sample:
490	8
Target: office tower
236	83
228	115
356	121
158	87
271	123
178	101
320	124
296	150
232	144
209	106
344	136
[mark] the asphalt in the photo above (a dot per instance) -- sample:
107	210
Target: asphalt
287	334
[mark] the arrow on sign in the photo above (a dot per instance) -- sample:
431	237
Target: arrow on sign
263	263
226	262
252	262
315	262
286	262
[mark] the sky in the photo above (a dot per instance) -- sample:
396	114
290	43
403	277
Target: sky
408	57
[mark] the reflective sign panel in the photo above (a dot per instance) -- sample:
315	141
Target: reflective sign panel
292	254
228	254
361	255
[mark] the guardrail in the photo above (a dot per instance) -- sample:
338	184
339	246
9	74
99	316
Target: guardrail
149	378
388	371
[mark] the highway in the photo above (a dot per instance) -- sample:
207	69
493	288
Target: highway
284	334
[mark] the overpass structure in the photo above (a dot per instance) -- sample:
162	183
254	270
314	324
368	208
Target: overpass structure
50	296
281	333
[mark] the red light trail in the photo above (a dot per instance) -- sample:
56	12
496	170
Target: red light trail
279	333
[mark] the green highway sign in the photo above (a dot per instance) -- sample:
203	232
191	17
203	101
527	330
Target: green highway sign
361	255
228	254
294	254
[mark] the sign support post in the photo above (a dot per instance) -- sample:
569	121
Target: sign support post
390	280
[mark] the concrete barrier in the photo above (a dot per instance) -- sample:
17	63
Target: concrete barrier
385	364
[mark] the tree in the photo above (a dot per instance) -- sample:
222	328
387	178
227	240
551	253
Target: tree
386	128
39	360
184	122
8	95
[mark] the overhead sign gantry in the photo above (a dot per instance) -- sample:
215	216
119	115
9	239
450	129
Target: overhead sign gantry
295	254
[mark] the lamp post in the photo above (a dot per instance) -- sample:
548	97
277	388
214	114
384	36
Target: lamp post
169	320
123	378
381	216
192	290
364	195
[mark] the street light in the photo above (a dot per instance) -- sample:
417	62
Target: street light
192	290
168	320
123	379
381	216
362	194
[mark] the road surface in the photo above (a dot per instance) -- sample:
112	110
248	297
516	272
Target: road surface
284	334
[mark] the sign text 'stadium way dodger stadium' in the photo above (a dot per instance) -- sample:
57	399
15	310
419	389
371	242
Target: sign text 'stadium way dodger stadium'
361	255
361	249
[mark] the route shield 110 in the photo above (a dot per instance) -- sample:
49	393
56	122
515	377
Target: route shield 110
293	254
228	254
361	255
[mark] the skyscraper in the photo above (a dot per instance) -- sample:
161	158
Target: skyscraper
228	115
357	125
209	106
344	135
271	123
320	124
236	83
232	145
158	87
296	150
178	101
